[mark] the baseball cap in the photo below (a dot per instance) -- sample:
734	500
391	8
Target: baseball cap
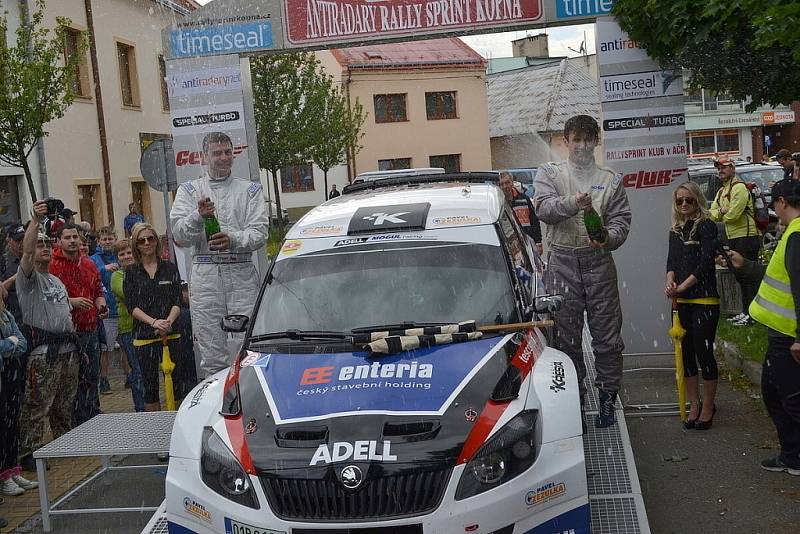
783	153
724	161
16	232
44	237
786	188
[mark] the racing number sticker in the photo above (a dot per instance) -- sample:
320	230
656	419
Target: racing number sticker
234	527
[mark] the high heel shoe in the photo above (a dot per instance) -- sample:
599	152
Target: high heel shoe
705	425
690	423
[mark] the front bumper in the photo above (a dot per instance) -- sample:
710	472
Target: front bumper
551	496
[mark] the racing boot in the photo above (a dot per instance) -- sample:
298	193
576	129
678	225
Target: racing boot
606	415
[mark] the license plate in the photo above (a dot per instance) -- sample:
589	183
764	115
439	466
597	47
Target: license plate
235	527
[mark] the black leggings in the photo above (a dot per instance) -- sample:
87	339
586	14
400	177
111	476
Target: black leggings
700	322
749	248
150	361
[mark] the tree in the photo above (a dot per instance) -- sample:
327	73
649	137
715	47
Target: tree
287	97
745	48
36	81
340	129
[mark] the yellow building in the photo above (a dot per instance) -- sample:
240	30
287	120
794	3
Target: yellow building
425	102
91	154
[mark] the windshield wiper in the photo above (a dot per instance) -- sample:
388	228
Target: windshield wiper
405	325
301	335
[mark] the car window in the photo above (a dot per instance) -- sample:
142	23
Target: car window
516	251
762	177
708	184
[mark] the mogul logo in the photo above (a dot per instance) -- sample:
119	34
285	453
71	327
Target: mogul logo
645	179
188	157
324	375
558	377
364	450
549	491
196	509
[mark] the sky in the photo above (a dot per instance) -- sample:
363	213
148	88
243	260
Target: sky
494	45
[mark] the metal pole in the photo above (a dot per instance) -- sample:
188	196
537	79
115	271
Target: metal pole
165	190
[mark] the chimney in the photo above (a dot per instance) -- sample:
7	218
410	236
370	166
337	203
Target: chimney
531	46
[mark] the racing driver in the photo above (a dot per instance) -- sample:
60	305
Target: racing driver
223	278
580	269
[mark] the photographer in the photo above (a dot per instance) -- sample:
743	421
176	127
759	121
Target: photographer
777	306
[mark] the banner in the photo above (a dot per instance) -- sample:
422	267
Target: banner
644	140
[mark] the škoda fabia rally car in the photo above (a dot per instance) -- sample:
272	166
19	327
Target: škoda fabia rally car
386	383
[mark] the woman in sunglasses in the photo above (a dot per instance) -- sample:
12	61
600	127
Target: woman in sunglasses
691	280
152	290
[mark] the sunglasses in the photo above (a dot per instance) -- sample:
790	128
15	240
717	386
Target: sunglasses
684	200
146	239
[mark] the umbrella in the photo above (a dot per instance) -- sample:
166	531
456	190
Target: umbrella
676	333
167	365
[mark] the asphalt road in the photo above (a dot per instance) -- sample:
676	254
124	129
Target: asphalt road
708	481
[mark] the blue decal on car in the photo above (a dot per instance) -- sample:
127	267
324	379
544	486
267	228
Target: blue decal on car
576	521
421	381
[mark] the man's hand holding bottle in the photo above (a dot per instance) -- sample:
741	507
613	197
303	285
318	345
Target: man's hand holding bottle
217	239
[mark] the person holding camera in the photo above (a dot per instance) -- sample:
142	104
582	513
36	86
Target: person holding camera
87	296
777	306
691	281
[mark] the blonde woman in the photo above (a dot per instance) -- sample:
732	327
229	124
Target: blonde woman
152	289
692	280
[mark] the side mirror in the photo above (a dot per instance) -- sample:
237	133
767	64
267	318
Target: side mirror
234	323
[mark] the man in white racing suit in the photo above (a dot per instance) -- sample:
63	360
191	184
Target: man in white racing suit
580	269
223	278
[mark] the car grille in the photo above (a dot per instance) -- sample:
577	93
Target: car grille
391	496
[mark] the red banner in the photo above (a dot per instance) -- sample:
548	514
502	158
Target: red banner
329	21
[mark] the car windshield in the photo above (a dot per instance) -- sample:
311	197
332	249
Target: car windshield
389	283
763	177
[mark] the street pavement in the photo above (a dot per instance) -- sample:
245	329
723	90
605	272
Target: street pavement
708	481
691	481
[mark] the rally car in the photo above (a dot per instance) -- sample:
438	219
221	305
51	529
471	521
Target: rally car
385	384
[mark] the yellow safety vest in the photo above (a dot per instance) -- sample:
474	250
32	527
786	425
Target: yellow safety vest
774	303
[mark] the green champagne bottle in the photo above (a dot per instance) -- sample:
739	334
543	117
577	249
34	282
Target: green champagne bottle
211	225
594	224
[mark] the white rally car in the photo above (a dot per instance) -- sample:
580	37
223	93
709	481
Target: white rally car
309	432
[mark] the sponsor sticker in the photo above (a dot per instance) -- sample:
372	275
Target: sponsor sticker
322	230
383	237
196	509
642	85
655	178
559	382
291	246
198	395
235	527
250	359
361	450
455	220
548	492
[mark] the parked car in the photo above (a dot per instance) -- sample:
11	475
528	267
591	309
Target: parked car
396	173
311	430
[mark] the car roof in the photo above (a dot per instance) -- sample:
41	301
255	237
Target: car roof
442	204
747	167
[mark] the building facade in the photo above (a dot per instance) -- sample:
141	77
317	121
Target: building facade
425	103
91	155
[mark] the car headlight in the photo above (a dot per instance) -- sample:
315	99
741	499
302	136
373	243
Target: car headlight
222	472
508	454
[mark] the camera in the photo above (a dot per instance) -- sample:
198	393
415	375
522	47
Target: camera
53	221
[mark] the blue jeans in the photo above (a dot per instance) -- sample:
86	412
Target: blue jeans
135	378
87	401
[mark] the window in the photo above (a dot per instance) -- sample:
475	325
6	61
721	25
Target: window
390	108
128	79
162	76
73	39
449	162
714	142
441	105
702	143
297	178
140	195
394	164
90	205
727	141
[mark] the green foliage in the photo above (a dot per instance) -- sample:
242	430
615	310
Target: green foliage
275	241
745	48
36	85
751	340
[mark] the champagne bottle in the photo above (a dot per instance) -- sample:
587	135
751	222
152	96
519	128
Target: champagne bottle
594	224
211	225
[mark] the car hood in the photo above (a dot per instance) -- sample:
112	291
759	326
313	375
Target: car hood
305	413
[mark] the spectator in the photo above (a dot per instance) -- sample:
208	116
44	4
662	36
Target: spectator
124	253
691	278
80	276
765	158
8	269
784	157
777	306
132	218
579	268
13	347
734	207
90	237
105	259
68	215
523	209
749	159
53	360
333	192
152	291
796	161
224	279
